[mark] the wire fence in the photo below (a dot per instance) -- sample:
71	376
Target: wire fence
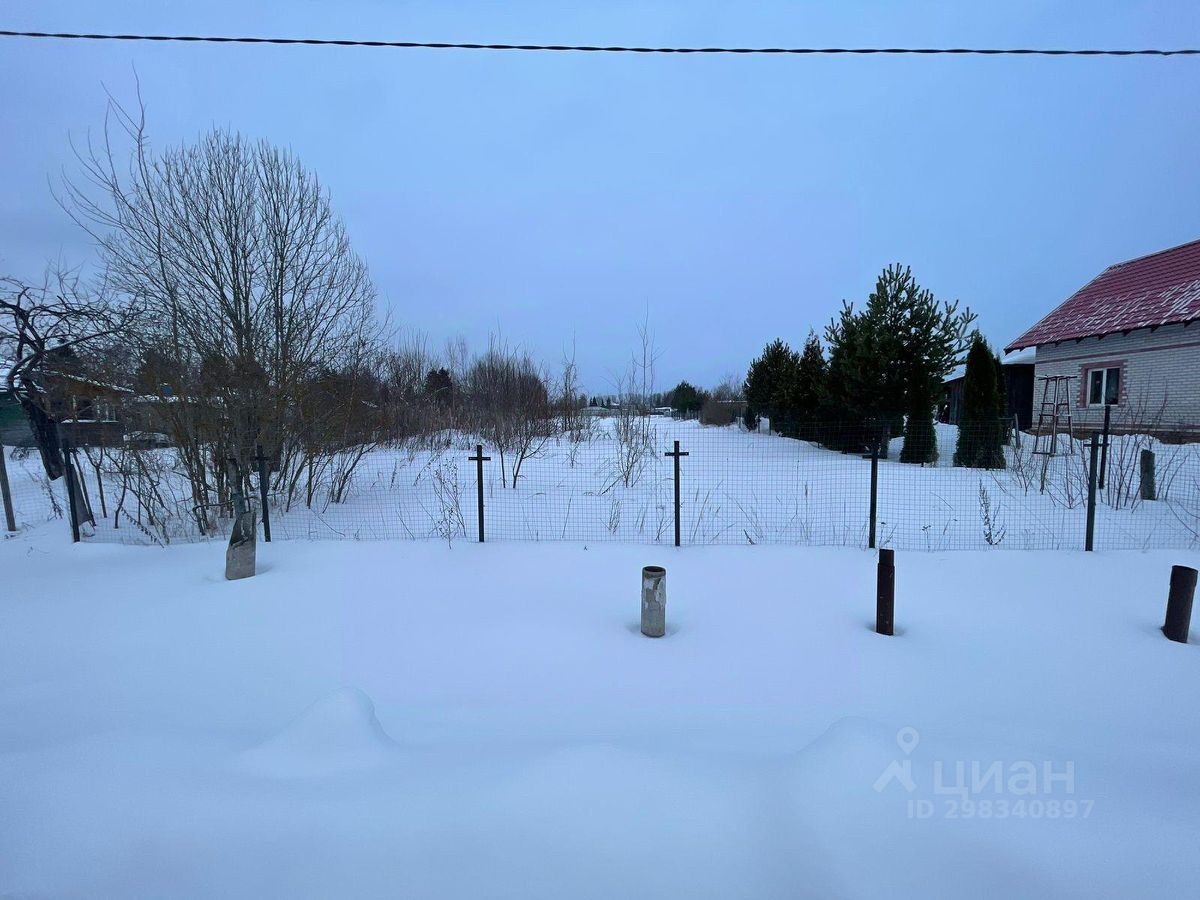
609	482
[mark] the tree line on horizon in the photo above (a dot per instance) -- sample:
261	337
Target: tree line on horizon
229	298
879	375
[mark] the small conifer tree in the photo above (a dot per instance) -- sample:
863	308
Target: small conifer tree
981	427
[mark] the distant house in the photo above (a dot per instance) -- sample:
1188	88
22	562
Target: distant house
14	425
1125	339
89	413
1018	390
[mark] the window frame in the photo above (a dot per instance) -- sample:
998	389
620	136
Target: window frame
1105	371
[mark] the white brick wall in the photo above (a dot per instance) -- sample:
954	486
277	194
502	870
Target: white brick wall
1160	375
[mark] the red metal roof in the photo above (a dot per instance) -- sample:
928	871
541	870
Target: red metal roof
1160	289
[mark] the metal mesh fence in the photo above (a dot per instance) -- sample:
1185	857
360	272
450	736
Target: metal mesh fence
613	481
35	498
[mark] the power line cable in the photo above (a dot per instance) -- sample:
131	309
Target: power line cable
584	48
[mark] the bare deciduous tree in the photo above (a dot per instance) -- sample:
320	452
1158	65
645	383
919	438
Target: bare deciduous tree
509	406
633	430
255	300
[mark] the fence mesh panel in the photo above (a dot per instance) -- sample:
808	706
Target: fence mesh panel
35	498
612	481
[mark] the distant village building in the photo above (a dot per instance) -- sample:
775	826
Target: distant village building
88	413
1018	390
1126	341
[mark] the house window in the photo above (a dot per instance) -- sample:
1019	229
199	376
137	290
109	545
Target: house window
88	409
1104	386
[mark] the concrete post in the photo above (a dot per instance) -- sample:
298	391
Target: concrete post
243	541
654	601
1149	491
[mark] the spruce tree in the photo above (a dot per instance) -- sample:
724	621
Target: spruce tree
767	383
1002	386
980	426
685	397
807	396
920	437
887	361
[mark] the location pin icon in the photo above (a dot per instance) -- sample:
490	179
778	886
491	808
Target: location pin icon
907	738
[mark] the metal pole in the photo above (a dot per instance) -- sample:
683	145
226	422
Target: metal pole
1104	446
885	593
479	459
1179	603
263	483
874	495
1091	506
10	520
676	453
72	499
677	493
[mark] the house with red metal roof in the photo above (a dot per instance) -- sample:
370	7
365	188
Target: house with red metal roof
1125	340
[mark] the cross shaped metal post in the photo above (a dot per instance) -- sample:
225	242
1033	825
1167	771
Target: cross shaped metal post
479	459
676	453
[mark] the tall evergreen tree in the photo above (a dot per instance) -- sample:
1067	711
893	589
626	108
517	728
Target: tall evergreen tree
981	429
920	436
439	387
887	361
805	396
686	397
1002	386
766	384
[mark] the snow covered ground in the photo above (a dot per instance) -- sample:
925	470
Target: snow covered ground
737	488
408	719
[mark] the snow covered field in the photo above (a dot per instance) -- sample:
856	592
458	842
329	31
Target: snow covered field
408	719
737	488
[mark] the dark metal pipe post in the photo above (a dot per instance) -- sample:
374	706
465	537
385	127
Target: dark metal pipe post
264	476
676	453
885	593
479	459
72	491
10	520
1089	537
1179	603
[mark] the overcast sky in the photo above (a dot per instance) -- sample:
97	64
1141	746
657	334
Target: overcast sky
560	197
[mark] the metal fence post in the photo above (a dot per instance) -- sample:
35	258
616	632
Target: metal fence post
1089	538
874	495
72	492
885	593
676	453
1104	446
1179	603
263	483
10	520
479	459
